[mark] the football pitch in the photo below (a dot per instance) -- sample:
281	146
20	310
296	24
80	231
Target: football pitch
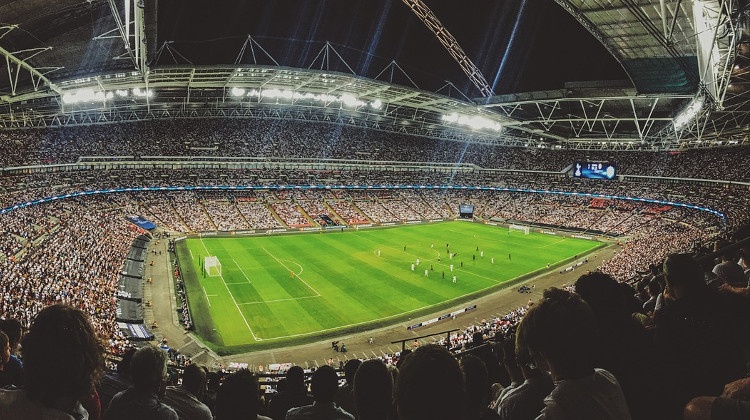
283	289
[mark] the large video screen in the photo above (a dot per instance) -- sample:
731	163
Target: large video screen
594	170
466	208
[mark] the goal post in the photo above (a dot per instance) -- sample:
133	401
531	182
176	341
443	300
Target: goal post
524	229
212	266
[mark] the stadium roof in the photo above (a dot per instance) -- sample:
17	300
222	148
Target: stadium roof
674	71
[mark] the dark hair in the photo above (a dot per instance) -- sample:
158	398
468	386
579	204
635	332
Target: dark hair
123	366
295	379
562	328
194	380
148	368
237	397
476	383
430	385
602	293
62	355
3	341
350	368
324	384
682	272
13	329
373	390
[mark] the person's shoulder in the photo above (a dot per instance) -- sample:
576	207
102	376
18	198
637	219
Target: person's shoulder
9	395
296	412
604	374
167	413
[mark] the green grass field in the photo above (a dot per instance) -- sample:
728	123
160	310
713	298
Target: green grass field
284	289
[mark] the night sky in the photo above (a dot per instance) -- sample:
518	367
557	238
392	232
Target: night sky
519	45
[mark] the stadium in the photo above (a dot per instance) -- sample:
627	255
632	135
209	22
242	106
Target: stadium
271	184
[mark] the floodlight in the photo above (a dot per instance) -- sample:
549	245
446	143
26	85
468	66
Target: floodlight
348	99
376	104
690	112
84	95
236	91
475	122
286	94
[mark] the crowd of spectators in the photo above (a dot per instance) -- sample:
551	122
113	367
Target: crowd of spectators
282	139
78	264
70	252
594	349
648	228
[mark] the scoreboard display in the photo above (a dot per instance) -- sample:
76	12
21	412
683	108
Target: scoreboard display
466	208
594	170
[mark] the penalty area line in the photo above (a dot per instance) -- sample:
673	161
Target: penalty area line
242	271
296	275
255	337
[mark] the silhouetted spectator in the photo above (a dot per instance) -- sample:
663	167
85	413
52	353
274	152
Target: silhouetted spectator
186	398
148	369
696	336
429	385
117	381
344	397
13	370
476	389
9	373
294	396
623	346
527	400
373	391
559	334
323	384
63	358
508	346
733	404
237	397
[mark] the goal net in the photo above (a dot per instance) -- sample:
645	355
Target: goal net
524	229
212	266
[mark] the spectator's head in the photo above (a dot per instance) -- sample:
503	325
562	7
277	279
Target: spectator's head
12	327
730	272
62	356
295	379
123	366
373	390
148	368
350	368
683	276
324	384
656	285
602	293
237	397
558	332
194	380
508	360
402	357
429	385
720	245
4	348
476	383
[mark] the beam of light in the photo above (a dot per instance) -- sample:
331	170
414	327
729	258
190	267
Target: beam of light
375	38
519	17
